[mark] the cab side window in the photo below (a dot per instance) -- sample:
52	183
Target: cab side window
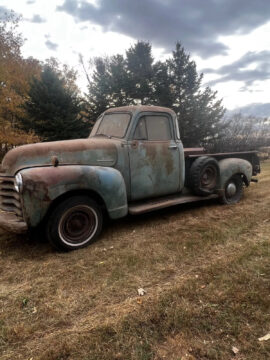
153	127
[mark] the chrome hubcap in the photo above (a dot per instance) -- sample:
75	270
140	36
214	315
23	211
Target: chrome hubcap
231	189
78	225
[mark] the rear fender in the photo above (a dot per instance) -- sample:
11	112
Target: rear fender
43	185
233	166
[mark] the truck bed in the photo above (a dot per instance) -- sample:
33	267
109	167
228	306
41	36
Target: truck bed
252	156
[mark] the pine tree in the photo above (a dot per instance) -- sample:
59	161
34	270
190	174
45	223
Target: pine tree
139	64
162	94
198	111
52	110
119	82
99	90
173	83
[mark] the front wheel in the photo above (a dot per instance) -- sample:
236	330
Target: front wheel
233	190
74	223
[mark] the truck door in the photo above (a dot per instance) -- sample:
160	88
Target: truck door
154	157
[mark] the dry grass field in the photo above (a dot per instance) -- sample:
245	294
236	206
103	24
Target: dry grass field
205	267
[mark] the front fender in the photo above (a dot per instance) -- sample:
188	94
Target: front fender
42	185
232	166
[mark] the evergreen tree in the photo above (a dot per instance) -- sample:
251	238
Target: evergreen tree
162	92
173	83
53	110
118	82
139	65
99	90
198	111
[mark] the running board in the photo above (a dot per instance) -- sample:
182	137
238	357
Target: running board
160	203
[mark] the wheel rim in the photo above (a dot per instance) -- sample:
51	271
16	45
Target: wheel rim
209	177
78	225
231	190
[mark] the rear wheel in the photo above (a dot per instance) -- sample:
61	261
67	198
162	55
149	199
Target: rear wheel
233	190
74	223
204	175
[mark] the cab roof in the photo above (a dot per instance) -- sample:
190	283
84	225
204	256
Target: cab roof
140	108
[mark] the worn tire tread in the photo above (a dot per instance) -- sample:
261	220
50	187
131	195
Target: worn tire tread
195	175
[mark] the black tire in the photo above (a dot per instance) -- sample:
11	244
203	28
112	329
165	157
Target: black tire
233	191
74	223
37	234
204	176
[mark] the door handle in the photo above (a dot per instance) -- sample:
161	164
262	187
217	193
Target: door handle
174	147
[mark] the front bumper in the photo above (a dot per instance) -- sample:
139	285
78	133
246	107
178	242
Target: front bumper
12	223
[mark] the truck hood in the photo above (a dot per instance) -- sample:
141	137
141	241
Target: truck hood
92	151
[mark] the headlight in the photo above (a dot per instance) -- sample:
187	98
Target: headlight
18	185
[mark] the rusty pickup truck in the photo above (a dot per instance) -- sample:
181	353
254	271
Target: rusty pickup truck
133	162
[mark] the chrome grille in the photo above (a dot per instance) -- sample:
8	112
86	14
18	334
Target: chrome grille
9	198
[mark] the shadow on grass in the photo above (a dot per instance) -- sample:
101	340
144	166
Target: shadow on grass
166	213
34	244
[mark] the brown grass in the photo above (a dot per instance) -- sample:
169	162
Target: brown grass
205	267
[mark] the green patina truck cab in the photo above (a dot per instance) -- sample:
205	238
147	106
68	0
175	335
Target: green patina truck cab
132	162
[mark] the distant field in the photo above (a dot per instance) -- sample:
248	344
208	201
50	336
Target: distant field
205	267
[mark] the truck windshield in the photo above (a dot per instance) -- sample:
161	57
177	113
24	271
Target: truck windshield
114	124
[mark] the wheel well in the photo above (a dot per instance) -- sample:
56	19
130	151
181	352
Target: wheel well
89	193
244	178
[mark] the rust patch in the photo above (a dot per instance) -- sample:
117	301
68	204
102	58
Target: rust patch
167	158
49	176
194	151
151	151
37	188
67	152
55	161
10	222
140	108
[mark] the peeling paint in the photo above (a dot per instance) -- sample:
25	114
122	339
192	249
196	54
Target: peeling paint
118	171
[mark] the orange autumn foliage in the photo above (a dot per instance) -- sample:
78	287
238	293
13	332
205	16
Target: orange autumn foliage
15	75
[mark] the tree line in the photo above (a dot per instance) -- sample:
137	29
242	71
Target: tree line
40	101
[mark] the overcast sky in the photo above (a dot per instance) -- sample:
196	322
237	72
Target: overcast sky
228	39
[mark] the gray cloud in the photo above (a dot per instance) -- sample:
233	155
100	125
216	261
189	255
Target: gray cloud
37	19
51	45
239	71
196	23
30	2
5	11
254	109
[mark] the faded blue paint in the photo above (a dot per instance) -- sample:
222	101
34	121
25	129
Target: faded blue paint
98	151
118	170
44	185
232	166
154	169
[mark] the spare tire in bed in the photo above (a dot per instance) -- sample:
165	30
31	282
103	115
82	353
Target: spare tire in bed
204	175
